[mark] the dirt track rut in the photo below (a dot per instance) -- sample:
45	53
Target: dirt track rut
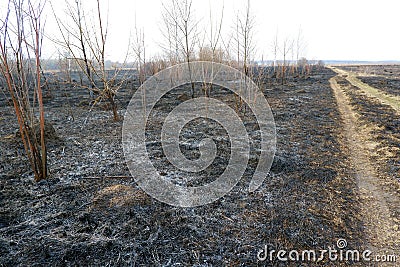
381	226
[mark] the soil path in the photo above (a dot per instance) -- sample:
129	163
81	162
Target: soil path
351	77
381	227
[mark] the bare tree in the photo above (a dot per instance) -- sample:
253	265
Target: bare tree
300	46
20	50
215	35
79	17
139	50
74	40
244	38
287	46
85	39
275	48
169	30
212	51
180	22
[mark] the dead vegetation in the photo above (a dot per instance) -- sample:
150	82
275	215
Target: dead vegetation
91	211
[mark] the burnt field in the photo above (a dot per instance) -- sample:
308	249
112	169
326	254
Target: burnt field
92	212
386	84
384	77
390	71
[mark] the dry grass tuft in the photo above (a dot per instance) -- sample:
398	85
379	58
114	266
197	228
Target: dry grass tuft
119	196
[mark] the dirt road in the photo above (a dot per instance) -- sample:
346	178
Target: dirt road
391	100
379	195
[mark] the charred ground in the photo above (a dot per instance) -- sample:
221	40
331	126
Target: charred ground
91	212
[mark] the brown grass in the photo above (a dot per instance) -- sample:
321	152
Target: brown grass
119	196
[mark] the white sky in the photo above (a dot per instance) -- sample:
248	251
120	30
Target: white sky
339	29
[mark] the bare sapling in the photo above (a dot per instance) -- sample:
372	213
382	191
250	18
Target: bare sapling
287	46
139	51
299	48
85	38
301	61
180	21
275	48
73	41
212	52
245	48
20	50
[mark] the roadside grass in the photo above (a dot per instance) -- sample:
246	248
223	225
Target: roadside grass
385	98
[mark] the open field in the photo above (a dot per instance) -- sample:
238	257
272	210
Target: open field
336	174
376	86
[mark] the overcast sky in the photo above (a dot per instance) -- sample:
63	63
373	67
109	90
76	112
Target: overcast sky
339	29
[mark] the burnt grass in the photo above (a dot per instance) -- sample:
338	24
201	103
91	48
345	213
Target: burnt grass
387	70
385	84
383	77
91	212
